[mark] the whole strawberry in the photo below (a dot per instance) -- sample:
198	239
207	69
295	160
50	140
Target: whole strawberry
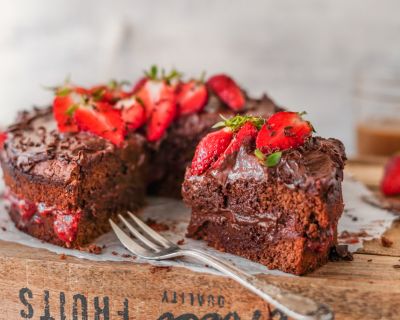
390	184
283	130
227	90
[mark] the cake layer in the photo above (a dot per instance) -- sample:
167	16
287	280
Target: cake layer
82	172
263	214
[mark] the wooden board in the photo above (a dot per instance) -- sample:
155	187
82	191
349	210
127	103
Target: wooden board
38	284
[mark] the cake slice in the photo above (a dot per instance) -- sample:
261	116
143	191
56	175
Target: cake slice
270	193
98	151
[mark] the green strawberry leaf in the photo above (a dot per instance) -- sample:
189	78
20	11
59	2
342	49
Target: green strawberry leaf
273	159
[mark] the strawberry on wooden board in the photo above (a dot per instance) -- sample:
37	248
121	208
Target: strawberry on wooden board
390	184
132	113
283	130
248	132
101	119
192	96
227	90
209	149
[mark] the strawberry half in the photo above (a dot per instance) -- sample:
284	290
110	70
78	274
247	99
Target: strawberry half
132	113
111	93
61	108
159	101
192	96
248	132
390	184
101	119
283	130
227	90
209	149
3	137
162	113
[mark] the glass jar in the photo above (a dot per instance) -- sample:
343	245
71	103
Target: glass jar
377	114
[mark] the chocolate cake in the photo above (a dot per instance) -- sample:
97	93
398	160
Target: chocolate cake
64	183
281	211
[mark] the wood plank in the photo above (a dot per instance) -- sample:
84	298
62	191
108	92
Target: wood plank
357	289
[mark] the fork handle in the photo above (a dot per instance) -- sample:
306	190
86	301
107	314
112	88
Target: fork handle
292	304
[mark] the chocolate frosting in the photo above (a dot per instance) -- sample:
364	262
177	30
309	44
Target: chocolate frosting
314	167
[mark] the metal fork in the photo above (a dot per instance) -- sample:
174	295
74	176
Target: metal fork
152	246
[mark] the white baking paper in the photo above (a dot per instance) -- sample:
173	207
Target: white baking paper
358	216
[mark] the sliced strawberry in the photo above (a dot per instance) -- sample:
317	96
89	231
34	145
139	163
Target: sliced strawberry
192	97
3	137
283	130
162	115
101	119
139	85
248	132
390	184
61	108
132	113
110	93
227	90
209	149
66	226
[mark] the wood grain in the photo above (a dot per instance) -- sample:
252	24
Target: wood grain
38	284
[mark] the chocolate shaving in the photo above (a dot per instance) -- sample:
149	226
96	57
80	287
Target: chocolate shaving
340	253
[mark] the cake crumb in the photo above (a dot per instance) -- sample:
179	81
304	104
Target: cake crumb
126	255
180	242
104	246
386	242
340	253
396	266
4	229
114	253
63	256
94	249
369	260
156	226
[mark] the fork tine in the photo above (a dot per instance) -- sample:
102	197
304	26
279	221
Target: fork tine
138	235
127	241
151	233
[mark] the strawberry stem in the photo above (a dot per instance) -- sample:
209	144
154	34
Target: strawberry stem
236	122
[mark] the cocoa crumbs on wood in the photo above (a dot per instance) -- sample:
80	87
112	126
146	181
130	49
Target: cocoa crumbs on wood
386	242
396	266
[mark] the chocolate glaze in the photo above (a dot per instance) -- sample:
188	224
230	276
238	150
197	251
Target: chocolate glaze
298	202
86	173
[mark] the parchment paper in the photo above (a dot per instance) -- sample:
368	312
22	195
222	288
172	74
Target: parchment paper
358	216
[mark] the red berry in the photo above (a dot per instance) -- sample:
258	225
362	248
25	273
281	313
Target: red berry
283	130
26	209
209	149
108	93
227	90
192	96
248	132
61	108
101	119
390	184
66	226
132	113
159	101
3	138
139	85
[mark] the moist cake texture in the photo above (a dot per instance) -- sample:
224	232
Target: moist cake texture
63	187
284	216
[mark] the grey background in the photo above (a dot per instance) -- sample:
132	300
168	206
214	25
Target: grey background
305	54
